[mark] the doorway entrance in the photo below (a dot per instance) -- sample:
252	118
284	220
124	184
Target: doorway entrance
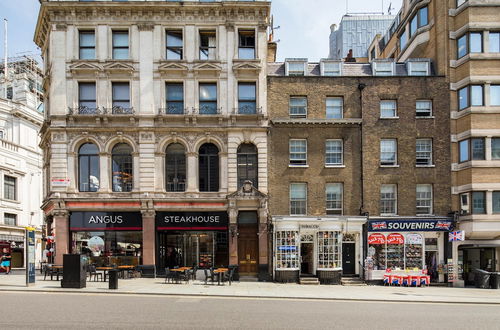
306	258
348	258
248	243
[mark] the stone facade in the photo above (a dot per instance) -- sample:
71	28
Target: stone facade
20	157
147	127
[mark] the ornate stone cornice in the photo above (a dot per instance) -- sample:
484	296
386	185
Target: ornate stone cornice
145	26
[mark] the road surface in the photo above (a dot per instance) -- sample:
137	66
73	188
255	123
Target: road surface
29	310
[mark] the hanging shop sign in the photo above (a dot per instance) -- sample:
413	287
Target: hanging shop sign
102	221
395	239
376	239
384	225
192	220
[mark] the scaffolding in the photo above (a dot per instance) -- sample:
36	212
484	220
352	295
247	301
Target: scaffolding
23	67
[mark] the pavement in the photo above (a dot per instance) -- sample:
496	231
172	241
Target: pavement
150	286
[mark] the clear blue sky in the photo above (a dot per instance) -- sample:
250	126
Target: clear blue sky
304	24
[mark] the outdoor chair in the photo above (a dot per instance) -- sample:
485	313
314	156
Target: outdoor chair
192	272
229	277
171	276
50	271
93	272
184	276
207	276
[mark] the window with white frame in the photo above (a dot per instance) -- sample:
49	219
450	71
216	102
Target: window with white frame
9	187
388	199
383	68
87	45
388	109
208	45
329	250
334	152
334	198
418	68
298	198
334	108
388	152
423	108
287	249
331	68
298	107
10	219
424	199
296	68
298	151
424	152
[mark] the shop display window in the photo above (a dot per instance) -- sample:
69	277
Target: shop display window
108	248
190	248
414	251
287	249
328	250
377	251
395	251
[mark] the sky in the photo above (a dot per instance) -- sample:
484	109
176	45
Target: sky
304	24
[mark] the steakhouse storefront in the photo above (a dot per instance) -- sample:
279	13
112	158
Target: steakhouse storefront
107	238
191	239
407	245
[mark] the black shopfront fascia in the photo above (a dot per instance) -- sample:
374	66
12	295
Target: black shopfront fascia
105	221
199	221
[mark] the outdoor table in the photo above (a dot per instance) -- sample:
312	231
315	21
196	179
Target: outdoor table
220	272
106	270
181	270
124	269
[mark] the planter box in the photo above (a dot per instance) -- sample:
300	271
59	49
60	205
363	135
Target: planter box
329	276
287	276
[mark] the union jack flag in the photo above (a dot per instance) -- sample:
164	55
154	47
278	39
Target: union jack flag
379	225
443	225
456	236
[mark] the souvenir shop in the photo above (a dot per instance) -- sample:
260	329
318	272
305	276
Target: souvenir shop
407	246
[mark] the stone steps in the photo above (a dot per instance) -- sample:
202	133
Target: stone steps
352	281
309	281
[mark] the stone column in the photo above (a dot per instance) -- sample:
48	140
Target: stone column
263	244
233	233
223	171
72	171
135	172
192	172
104	171
61	233
148	237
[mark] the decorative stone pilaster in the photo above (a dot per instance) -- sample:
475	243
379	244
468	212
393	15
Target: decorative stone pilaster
148	237
61	233
192	172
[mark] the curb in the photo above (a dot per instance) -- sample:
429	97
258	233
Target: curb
254	297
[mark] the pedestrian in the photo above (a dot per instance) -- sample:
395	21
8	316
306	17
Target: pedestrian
5	261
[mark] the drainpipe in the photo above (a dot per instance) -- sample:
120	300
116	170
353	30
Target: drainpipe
361	87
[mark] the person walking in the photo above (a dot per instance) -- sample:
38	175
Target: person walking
5	261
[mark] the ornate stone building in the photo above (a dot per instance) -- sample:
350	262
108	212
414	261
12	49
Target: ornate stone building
155	135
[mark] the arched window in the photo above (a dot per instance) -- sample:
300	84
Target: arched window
208	167
247	164
88	167
121	158
175	163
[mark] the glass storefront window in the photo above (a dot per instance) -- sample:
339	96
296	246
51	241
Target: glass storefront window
395	251
287	249
414	251
188	249
108	248
328	249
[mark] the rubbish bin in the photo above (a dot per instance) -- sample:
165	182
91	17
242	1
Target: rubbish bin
113	279
495	280
482	279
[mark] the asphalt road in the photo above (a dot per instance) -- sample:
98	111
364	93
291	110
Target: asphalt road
112	311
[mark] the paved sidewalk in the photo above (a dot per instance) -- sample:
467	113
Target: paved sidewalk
157	286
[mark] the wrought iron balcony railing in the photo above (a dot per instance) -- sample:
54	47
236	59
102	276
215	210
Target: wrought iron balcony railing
247	110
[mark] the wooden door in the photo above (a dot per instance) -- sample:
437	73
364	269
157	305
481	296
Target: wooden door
348	258
248	249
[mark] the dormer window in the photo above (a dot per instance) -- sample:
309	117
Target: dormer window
331	68
383	68
295	67
418	68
